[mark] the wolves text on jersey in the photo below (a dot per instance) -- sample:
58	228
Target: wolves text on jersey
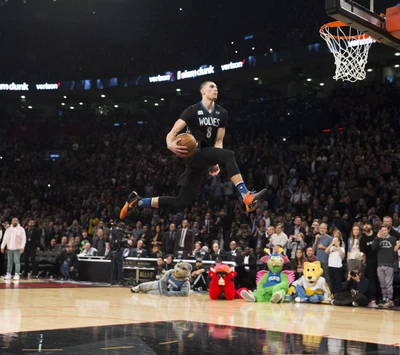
209	121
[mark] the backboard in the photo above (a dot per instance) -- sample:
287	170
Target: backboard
362	19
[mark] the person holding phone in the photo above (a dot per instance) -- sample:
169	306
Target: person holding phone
335	253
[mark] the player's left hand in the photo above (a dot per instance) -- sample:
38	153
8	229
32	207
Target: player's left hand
215	170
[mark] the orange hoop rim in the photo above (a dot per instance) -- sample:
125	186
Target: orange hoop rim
336	24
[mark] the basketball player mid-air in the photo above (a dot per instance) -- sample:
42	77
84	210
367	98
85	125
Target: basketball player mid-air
206	121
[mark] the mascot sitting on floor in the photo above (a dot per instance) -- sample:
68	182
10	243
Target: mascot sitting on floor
174	282
272	285
311	287
221	284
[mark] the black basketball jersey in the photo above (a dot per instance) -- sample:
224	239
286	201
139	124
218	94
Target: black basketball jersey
202	124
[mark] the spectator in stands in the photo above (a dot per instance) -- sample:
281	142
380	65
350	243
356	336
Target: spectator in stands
157	236
168	262
232	234
184	239
310	257
64	242
145	236
355	290
106	231
137	232
14	239
32	246
297	242
279	238
74	230
139	251
88	250
155	251
336	254
322	241
196	250
388	221
371	262
216	251
159	270
246	268
385	246
198	278
168	240
69	263
233	252
99	243
54	246
354	256
297	263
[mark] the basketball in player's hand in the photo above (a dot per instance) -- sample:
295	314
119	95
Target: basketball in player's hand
187	140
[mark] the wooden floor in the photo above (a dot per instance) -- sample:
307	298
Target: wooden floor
25	309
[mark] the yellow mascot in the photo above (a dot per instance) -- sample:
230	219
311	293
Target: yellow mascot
311	287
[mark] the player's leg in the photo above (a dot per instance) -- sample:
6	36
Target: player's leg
186	195
227	157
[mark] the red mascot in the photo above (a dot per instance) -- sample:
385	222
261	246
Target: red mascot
221	285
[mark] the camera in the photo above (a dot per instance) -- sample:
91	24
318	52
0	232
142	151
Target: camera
353	274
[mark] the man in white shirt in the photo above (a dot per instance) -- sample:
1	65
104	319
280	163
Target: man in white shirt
266	219
279	238
15	240
88	250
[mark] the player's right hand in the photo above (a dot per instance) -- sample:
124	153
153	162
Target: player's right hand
179	150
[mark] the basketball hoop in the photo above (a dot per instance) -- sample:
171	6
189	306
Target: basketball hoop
350	49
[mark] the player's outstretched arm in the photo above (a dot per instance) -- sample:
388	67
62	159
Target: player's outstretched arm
219	139
172	142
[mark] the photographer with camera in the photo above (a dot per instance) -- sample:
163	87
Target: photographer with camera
355	290
116	255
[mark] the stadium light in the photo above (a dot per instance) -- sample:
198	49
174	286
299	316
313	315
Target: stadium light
72	107
145	100
116	106
369	70
232	42
65	97
81	103
156	104
397	54
397	65
236	52
309	79
178	90
162	99
253	48
30	107
62	103
23	97
321	84
103	96
255	79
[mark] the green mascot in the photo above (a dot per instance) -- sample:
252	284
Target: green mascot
272	285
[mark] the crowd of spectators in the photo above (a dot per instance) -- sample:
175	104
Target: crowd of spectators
346	176
149	37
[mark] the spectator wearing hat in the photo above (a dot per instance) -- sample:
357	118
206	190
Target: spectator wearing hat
198	277
69	263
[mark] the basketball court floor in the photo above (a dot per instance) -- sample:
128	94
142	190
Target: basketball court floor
69	318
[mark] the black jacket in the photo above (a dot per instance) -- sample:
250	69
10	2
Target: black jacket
32	238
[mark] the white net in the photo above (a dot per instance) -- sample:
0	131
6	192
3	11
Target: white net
350	49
